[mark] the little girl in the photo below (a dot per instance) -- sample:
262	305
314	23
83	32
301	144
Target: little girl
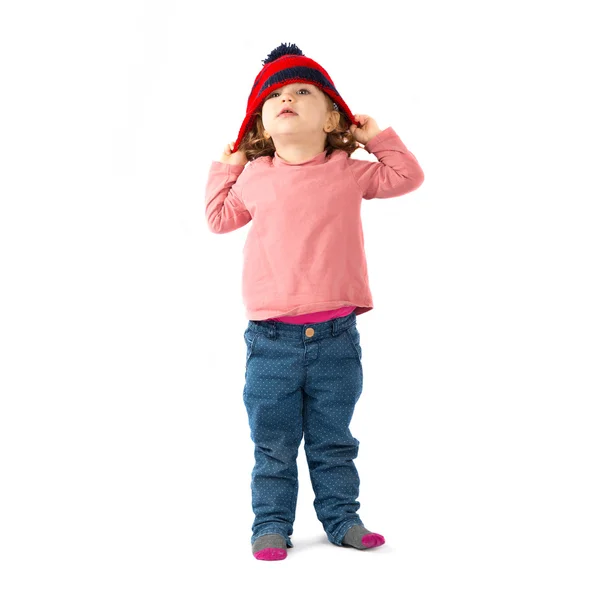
304	282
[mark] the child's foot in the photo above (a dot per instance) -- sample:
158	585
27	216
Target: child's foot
271	546
361	538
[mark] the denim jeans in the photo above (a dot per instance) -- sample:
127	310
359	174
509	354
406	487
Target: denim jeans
303	380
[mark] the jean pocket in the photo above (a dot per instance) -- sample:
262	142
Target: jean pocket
354	335
250	336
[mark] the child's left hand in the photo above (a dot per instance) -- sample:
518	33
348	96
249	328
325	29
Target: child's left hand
367	131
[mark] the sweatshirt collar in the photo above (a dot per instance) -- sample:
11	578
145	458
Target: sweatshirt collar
315	160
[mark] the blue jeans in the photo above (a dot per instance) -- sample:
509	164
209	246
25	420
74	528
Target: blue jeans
303	380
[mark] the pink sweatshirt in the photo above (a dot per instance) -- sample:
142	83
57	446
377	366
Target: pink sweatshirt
304	256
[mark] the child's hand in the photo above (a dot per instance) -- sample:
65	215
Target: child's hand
368	129
237	158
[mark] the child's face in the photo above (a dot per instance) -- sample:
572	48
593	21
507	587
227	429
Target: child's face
312	113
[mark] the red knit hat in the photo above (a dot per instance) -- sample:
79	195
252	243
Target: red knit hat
287	64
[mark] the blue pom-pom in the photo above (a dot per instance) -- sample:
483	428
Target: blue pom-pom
282	50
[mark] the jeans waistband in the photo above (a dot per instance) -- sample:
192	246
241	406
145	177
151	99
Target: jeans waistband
308	331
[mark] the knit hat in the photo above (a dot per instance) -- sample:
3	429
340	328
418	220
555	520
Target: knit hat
287	64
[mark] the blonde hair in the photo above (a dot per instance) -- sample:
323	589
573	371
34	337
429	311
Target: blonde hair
256	144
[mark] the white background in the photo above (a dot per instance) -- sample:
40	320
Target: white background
125	452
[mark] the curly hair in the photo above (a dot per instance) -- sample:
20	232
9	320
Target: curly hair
255	144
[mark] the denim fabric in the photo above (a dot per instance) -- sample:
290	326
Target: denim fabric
303	380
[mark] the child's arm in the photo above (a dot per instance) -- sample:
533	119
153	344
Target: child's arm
395	173
225	210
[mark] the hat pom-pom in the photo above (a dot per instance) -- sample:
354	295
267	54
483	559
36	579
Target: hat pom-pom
282	50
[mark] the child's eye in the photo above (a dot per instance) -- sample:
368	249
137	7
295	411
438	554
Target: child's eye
300	90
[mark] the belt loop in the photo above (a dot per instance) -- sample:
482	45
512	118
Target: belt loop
334	327
272	329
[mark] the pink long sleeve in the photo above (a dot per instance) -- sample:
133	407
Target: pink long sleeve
304	252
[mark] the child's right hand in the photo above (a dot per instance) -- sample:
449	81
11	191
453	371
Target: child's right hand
237	158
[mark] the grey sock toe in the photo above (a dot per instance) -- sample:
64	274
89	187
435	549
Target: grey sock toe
270	540
354	536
